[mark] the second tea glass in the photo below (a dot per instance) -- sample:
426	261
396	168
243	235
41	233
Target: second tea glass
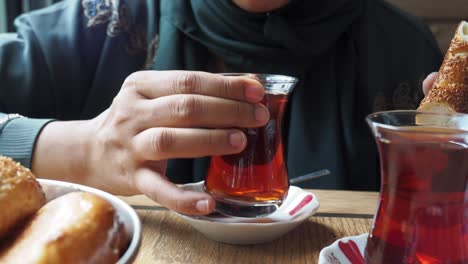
423	209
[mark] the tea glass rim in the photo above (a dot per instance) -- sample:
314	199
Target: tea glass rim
264	77
272	83
461	126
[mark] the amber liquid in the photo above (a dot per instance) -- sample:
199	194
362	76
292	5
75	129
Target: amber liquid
257	174
423	211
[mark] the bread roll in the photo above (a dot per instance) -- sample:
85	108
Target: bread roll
450	91
75	228
20	195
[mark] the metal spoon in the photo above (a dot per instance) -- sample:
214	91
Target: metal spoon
309	176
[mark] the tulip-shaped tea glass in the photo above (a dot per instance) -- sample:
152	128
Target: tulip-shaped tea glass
255	182
423	209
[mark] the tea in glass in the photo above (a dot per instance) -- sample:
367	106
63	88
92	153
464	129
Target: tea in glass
255	181
423	210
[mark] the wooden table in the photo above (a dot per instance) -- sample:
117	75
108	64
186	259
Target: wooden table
168	239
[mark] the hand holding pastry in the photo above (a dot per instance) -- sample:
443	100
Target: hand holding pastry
450	90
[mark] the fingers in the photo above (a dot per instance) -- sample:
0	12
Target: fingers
167	194
199	111
429	82
154	84
165	143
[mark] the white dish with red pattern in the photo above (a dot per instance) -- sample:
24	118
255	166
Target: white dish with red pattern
298	207
346	250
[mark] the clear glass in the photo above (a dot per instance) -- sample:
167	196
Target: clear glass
422	215
254	182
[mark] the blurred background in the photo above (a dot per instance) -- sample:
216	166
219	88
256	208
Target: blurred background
441	15
9	9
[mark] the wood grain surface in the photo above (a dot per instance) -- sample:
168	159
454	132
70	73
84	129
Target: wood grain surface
434	9
444	31
168	239
442	16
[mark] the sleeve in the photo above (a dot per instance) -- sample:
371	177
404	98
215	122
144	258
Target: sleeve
58	59
18	136
26	85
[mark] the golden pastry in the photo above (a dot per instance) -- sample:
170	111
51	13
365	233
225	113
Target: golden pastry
450	91
20	195
74	228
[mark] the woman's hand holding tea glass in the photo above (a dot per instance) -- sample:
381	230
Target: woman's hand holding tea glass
156	116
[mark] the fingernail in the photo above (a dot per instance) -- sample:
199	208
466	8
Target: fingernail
431	77
433	74
261	114
236	139
254	93
202	206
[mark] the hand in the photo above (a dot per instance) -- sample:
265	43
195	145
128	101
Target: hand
155	117
429	82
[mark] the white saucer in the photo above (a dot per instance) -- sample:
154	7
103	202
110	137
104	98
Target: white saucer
298	207
346	250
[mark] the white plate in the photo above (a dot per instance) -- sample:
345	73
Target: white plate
298	207
346	250
127	215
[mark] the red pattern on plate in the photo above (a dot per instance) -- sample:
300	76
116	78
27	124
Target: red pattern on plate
351	251
303	203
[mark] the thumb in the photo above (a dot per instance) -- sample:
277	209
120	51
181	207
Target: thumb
429	82
161	190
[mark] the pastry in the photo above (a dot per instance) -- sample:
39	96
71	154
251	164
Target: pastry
450	91
77	227
20	195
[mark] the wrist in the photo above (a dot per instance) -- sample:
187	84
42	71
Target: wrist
61	151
